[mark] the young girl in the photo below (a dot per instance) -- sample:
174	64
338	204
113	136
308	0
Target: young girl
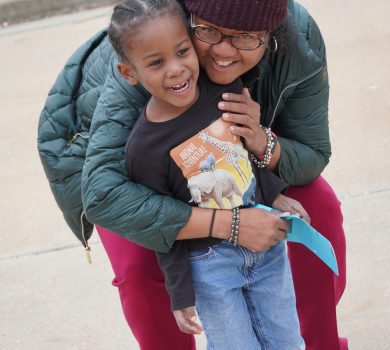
245	300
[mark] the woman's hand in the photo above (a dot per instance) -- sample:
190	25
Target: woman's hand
243	111
187	320
293	207
260	229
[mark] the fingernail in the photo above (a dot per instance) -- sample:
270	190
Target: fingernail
193	318
221	105
231	129
225	95
225	116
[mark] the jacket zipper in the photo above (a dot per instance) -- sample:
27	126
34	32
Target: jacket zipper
86	245
290	86
74	137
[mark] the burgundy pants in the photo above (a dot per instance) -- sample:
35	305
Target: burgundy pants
146	305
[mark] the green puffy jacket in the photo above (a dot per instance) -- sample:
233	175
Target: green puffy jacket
91	109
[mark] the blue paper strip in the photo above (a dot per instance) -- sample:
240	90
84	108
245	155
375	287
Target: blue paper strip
301	232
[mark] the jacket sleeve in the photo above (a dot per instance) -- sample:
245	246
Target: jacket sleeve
302	123
63	139
305	138
110	198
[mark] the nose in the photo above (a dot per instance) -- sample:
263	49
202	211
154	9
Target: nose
224	48
175	69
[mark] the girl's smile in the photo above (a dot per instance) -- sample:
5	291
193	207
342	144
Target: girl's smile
181	87
161	57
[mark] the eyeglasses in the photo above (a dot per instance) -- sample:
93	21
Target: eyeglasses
241	41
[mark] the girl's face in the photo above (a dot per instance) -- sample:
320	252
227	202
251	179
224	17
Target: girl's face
164	61
223	62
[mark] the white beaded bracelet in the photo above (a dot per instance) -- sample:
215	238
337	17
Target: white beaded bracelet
268	150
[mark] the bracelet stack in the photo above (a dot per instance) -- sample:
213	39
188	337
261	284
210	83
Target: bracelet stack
263	161
235	223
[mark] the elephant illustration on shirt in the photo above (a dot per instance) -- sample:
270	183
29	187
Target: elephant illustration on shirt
215	185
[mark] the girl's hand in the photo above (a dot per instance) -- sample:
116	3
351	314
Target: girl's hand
287	204
243	111
187	320
260	229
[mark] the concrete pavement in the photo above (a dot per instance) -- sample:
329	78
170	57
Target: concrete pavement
52	299
16	11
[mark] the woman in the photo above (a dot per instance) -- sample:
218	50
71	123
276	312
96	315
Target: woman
288	80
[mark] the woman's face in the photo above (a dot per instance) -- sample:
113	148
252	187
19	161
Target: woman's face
222	62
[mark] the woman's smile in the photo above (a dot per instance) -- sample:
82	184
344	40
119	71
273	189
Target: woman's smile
223	64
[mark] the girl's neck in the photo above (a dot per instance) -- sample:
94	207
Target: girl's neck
158	111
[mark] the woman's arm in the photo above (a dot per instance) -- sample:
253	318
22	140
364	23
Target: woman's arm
303	148
113	201
301	113
301	120
259	229
110	199
137	213
303	131
63	135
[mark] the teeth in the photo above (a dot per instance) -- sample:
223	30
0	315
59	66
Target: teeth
223	63
180	87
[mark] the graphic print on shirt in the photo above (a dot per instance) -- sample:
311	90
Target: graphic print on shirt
217	168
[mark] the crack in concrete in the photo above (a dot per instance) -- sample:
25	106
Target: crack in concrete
348	197
55	21
43	252
357	195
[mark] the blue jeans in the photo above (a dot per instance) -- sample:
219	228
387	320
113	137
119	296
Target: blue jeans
246	300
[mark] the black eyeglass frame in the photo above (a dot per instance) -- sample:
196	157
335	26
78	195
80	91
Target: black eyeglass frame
261	40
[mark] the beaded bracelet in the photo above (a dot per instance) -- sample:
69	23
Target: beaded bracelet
235	223
271	143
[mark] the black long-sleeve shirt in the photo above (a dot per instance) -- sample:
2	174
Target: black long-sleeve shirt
149	162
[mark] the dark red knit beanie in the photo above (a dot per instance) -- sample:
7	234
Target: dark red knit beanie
248	15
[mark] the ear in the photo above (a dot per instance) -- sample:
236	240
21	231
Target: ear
128	72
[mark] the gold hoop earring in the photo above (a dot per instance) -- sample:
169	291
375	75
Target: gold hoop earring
272	48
